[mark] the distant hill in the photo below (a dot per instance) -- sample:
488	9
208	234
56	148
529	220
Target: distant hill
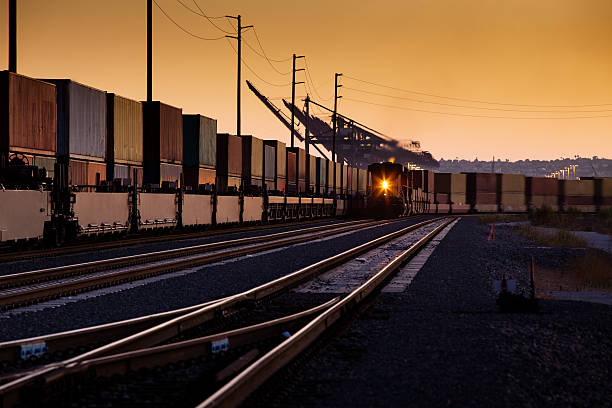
587	167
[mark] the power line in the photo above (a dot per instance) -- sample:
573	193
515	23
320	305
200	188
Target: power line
255	73
210	19
184	29
313	85
265	57
473	116
262	49
473	107
201	14
475	100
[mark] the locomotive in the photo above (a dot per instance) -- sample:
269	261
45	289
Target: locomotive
388	191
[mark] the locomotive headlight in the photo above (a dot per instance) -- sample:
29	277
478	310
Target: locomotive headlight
385	185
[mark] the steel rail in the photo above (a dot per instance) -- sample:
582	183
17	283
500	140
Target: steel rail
11	350
42	275
6	256
9	392
193	348
12	298
240	387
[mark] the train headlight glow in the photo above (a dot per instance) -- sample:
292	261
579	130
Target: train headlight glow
385	185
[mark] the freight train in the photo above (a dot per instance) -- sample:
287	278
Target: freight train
78	160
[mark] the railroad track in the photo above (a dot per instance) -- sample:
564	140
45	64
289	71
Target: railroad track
26	288
145	348
9	254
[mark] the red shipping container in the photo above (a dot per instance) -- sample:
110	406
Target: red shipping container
96	172
77	173
485	198
441	198
229	155
542	186
28	115
163	133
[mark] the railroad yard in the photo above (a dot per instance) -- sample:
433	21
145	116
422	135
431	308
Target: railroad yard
327	313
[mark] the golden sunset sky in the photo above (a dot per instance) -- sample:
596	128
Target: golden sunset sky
515	52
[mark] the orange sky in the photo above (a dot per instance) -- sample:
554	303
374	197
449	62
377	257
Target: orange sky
546	52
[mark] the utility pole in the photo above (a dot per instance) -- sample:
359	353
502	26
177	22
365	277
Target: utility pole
307	133
293	84
238	37
149	50
13	36
334	117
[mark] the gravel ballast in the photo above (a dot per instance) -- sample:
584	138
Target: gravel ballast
210	283
442	342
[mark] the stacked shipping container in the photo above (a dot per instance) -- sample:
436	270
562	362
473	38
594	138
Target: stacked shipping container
199	151
511	192
300	169
124	139
450	190
578	194
280	164
163	143
28	119
252	161
542	192
229	162
482	191
321	187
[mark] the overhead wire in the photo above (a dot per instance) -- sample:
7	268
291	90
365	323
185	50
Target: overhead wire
210	18
184	29
471	107
252	71
474	116
473	100
313	85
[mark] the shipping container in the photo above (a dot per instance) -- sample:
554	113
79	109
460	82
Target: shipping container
578	187
124	139
269	167
229	155
252	160
450	183
321	186
163	133
28	116
229	162
339	185
199	141
194	177
363	181
81	120
123	172
311	172
540	186
291	171
280	164
511	183
330	177
300	155
86	173
96	173
156	174
481	190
